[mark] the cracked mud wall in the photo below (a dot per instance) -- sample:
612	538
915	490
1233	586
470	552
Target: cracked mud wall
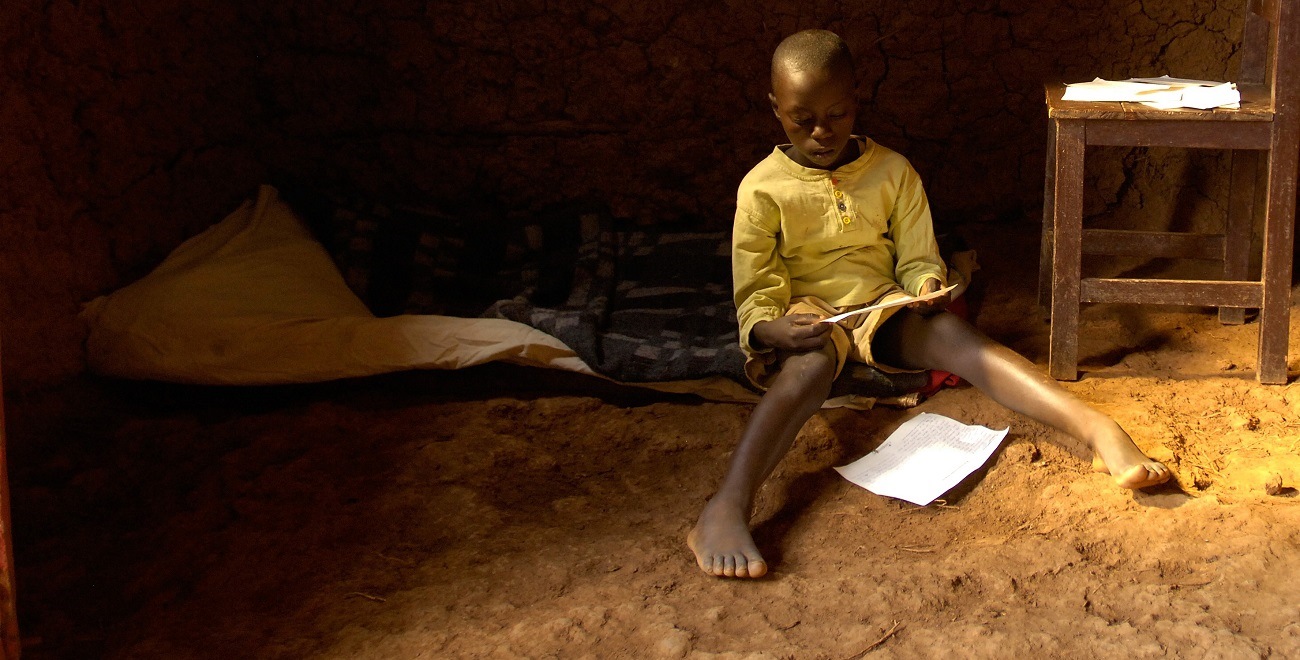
127	127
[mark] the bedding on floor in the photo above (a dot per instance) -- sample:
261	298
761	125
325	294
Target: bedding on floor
257	300
266	297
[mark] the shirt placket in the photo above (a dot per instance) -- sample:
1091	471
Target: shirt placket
841	202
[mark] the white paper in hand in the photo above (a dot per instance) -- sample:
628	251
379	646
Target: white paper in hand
924	458
892	303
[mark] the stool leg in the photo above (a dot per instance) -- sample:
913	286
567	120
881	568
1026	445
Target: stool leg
1279	232
10	642
1236	235
1049	210
1067	247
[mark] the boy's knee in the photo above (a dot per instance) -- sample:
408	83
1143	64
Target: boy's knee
925	342
811	371
949	327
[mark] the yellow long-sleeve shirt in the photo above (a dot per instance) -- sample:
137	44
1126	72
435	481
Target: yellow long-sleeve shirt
847	236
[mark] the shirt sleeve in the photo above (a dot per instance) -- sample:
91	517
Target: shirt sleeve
762	284
912	231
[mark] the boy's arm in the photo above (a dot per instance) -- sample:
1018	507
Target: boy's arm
762	284
912	231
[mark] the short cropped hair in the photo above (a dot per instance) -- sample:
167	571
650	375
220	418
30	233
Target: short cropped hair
810	50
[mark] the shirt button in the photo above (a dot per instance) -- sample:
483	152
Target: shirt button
839	194
842	207
847	220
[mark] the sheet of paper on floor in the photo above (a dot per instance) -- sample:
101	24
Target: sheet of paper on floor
924	458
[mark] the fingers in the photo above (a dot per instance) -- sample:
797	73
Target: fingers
795	332
813	334
931	306
798	332
806	319
928	307
812	329
811	343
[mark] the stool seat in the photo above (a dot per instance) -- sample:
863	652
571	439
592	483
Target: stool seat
1256	105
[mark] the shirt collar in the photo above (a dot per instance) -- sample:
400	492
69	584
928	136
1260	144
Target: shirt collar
866	150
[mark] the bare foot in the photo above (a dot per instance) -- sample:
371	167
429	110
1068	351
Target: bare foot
722	543
1115	454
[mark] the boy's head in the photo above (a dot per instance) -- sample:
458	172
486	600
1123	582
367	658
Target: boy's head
814	97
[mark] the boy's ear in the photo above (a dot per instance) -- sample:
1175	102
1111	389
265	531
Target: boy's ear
772	99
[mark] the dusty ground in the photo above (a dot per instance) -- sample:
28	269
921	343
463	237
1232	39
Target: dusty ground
502	512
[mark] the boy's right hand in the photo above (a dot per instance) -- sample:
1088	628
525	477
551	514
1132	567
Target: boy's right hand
794	332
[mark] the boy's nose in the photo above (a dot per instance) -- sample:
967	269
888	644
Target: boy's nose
821	131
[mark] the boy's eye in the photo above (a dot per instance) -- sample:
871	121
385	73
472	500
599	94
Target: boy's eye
803	121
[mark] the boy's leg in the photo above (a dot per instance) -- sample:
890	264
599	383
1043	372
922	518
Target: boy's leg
946	342
721	540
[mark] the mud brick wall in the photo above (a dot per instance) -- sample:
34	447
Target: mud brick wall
126	127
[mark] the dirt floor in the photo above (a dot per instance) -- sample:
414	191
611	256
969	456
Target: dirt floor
503	512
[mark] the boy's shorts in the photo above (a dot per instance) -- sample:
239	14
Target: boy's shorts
851	336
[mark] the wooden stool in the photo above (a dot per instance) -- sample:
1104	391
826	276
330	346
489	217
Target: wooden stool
1267	124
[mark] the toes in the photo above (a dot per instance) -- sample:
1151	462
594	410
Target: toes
1160	472
719	565
738	566
723	556
706	564
1144	475
750	566
1141	475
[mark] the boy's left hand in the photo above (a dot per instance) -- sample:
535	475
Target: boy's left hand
933	305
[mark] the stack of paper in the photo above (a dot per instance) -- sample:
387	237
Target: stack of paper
1163	92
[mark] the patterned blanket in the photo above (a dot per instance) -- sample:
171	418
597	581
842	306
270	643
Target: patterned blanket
637	305
644	306
653	306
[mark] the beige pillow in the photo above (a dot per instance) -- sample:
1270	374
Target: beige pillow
256	300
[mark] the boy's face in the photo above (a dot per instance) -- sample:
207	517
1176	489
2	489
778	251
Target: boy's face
817	109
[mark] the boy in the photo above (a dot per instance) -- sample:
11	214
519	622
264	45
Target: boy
832	222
